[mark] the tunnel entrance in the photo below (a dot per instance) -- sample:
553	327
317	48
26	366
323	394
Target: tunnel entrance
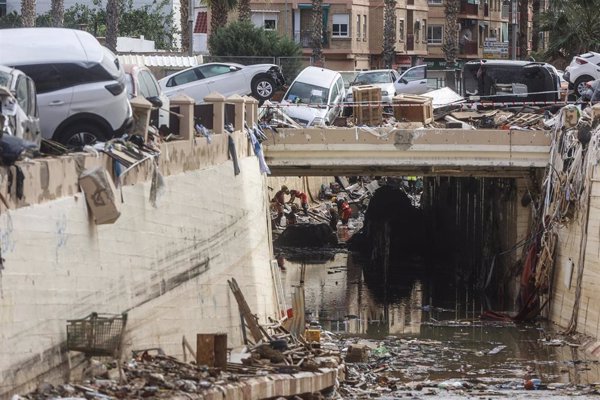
468	230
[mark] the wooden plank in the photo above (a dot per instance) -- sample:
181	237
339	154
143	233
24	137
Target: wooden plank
245	311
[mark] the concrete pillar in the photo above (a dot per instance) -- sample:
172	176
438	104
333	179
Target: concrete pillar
218	102
251	110
141	116
240	110
186	120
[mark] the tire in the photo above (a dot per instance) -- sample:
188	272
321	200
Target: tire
80	134
579	85
263	87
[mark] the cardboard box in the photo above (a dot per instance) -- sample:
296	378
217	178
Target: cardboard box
100	195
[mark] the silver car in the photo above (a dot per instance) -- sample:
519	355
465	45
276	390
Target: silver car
391	82
260	80
18	106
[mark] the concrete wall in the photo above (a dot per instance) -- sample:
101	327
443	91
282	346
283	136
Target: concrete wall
167	266
566	267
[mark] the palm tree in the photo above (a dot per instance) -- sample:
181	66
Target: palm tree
524	28
28	13
244	10
112	24
57	13
573	27
184	13
317	32
218	12
450	44
535	30
389	32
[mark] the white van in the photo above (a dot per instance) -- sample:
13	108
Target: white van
80	84
315	97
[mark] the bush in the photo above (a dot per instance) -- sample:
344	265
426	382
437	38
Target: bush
245	39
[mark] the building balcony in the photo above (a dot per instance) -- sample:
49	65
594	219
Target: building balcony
304	38
468	8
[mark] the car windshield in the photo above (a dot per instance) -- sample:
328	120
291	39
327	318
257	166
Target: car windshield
372	77
4	78
301	92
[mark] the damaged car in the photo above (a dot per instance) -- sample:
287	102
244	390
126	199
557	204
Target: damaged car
510	81
260	80
18	106
315	97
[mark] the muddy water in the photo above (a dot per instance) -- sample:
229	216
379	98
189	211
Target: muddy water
423	329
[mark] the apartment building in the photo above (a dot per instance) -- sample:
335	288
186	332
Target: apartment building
352	30
483	30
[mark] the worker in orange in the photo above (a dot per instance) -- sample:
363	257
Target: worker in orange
303	199
278	201
344	210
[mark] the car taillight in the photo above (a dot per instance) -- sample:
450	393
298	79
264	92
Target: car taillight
115	88
580	61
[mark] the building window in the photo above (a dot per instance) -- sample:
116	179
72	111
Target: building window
358	22
401	30
340	25
266	20
364	27
436	2
2	8
434	34
424	31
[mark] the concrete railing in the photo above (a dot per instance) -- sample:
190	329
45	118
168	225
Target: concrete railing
214	113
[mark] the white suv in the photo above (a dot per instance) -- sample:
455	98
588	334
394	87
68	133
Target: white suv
583	68
80	84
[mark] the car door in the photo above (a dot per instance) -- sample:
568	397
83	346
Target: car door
150	88
336	98
413	81
223	78
25	95
54	95
190	82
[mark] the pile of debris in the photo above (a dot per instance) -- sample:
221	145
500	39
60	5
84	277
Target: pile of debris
441	108
269	350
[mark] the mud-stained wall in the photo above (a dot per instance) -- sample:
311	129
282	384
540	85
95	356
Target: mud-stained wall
566	268
166	266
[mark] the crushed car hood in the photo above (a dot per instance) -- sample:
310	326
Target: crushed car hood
303	114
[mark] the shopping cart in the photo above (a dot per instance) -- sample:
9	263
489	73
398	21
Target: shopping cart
97	335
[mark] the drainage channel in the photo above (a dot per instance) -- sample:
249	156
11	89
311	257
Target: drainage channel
424	336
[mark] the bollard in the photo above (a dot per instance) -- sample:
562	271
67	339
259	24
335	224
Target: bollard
218	102
186	120
239	103
141	115
251	110
211	350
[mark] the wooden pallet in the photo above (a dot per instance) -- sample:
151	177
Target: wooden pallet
524	119
413	108
367	108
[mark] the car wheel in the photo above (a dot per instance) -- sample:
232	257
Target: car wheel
80	134
263	87
580	84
